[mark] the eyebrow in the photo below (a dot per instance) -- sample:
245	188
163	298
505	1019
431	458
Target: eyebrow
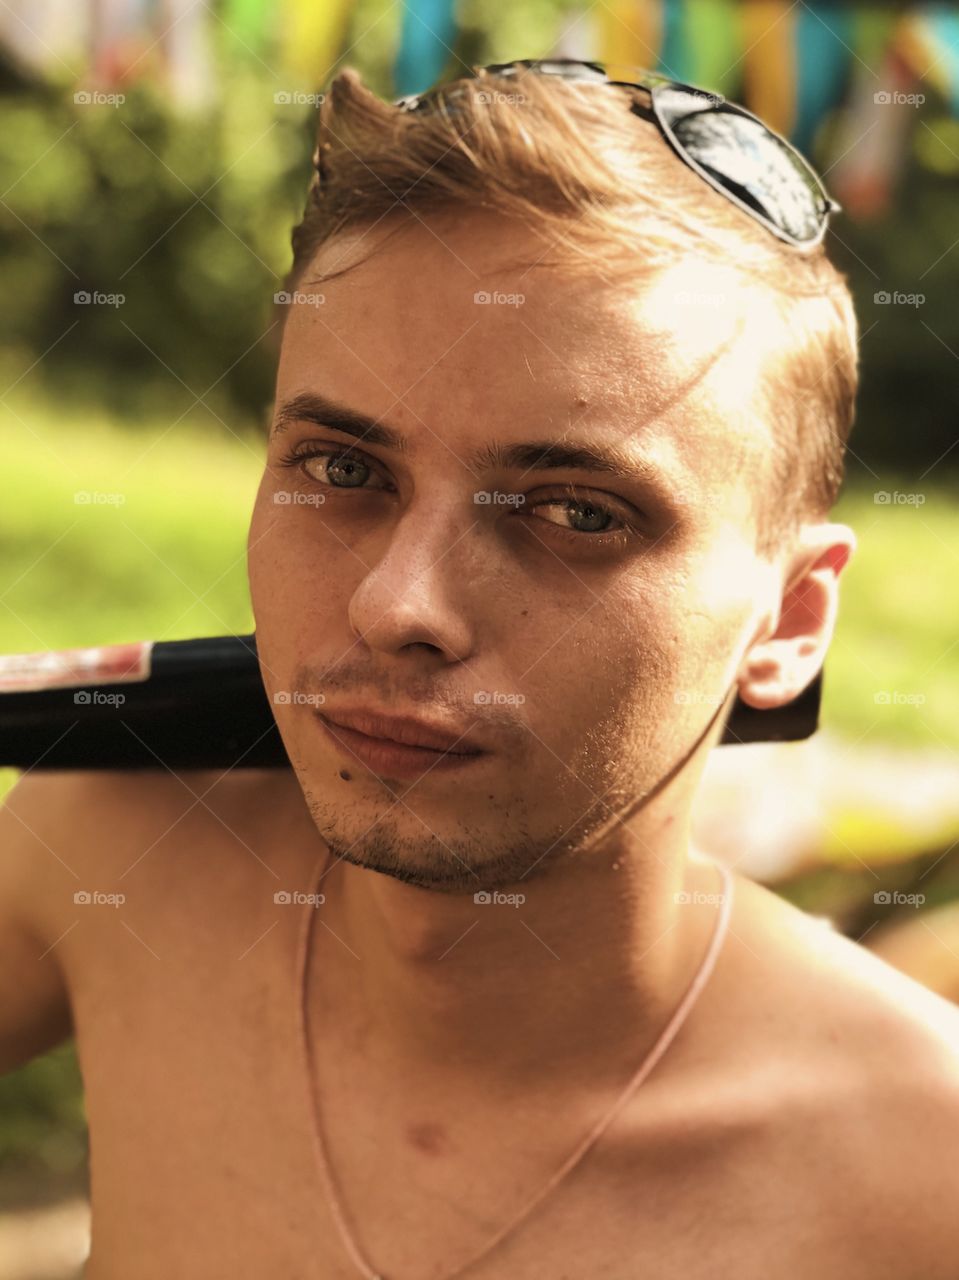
532	455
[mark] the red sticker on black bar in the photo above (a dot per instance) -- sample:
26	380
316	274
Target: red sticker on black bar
69	668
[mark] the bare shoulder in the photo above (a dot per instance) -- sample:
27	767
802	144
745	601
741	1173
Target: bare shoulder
846	995
871	1058
82	832
61	834
130	797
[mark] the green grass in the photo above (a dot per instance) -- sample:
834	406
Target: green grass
166	562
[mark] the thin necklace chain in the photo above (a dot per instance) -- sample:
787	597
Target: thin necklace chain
666	1037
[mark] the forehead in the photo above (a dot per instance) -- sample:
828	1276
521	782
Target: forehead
463	327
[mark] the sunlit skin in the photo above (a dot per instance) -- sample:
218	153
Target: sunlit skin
399	591
803	1123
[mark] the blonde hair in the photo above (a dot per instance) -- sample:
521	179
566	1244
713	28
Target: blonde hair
603	187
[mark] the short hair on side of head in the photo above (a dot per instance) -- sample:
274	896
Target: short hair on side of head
606	194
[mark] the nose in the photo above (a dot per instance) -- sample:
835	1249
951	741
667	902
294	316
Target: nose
416	593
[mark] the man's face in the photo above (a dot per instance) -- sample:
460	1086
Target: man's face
582	626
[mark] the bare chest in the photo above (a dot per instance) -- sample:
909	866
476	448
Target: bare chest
204	1162
204	1159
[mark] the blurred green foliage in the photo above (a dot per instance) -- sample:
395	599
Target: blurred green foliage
188	219
188	214
43	1127
908	407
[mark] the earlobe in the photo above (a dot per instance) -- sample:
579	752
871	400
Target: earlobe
776	675
776	669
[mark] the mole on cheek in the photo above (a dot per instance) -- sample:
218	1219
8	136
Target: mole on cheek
427	1137
347	777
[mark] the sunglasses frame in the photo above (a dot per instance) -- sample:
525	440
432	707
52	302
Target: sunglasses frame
653	83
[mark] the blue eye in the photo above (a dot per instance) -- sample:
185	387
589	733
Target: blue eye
583	521
592	516
342	469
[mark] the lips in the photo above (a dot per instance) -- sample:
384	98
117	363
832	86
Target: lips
405	730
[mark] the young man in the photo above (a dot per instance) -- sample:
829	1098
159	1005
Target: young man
558	428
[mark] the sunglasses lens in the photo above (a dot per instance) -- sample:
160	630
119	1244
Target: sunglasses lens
735	150
751	163
566	69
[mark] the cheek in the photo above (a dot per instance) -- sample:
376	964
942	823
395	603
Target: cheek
301	580
271	557
613	664
642	671
288	543
289	587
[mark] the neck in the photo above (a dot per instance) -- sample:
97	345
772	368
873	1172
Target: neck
575	983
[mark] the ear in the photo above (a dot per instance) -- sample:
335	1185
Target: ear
783	661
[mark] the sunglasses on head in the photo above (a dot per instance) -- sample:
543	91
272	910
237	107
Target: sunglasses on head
728	147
